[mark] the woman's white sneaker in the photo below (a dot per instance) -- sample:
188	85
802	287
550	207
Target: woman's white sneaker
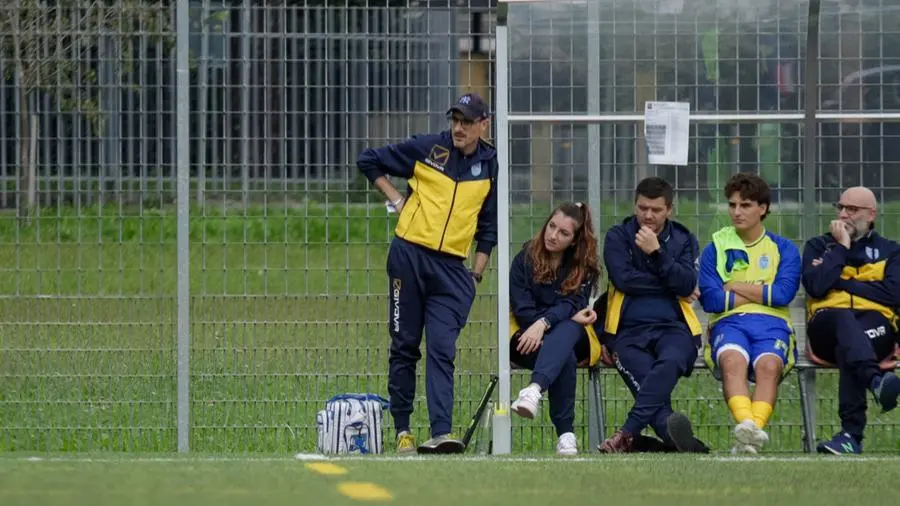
567	445
529	401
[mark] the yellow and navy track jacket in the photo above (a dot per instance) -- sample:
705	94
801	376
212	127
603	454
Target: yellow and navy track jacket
773	261
452	197
632	274
864	278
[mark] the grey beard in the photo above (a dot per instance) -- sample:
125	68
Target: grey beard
857	233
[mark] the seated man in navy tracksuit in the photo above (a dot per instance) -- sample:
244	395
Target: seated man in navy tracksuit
654	333
852	281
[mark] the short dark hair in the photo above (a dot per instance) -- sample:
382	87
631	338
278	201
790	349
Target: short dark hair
750	187
653	188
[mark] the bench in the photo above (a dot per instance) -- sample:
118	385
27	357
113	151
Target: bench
805	368
806	376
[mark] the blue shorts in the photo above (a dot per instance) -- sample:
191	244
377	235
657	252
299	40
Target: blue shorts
754	335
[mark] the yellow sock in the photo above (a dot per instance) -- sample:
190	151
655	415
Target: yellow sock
740	407
761	412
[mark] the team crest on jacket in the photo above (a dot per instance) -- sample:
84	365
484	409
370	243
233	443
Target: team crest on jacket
439	155
476	169
764	262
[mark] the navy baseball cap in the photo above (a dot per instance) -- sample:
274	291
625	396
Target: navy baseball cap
472	107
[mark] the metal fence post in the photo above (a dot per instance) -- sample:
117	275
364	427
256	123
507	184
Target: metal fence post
182	145
810	125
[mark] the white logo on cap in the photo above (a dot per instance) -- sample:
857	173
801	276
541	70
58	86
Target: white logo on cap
465	99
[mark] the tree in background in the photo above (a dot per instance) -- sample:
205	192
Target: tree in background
51	46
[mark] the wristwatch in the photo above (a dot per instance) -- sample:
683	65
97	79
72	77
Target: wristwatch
476	276
546	322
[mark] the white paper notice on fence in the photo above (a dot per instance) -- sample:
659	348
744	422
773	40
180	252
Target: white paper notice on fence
666	127
662	6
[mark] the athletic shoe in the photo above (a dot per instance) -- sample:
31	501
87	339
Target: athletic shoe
841	444
528	403
567	445
446	443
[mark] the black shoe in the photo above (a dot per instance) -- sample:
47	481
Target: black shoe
681	433
887	392
442	444
649	444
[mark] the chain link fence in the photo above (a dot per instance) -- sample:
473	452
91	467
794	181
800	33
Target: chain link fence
288	292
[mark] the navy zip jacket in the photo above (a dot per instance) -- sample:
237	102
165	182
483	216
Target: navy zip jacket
530	301
865	277
650	285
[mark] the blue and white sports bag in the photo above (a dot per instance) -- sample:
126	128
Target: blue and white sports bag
351	424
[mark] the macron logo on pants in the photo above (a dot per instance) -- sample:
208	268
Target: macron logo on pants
395	294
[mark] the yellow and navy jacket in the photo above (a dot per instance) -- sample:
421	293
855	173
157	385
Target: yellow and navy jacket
530	300
771	261
864	278
452	197
640	280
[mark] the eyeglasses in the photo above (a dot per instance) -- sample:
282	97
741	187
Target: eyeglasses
850	209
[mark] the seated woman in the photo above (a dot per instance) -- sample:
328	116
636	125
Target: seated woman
551	280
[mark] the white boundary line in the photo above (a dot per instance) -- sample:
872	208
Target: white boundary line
391	458
807	458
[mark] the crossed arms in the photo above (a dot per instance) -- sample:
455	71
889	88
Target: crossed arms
718	297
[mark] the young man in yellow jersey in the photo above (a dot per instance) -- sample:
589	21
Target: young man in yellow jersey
748	278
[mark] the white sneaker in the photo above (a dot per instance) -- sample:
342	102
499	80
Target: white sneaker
747	433
567	445
742	448
529	401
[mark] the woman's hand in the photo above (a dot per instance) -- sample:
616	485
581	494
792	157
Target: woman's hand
530	340
586	316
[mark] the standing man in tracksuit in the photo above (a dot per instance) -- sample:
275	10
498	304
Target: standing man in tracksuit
654	333
852	281
451	201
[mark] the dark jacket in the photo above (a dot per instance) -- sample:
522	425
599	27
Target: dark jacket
865	277
639	279
529	300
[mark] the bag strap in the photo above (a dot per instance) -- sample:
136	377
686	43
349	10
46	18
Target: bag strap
361	397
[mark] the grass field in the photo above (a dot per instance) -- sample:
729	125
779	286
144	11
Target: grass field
620	480
288	308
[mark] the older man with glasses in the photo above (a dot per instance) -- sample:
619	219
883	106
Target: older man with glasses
852	279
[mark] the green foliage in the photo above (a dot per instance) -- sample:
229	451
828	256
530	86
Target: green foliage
342	223
309	224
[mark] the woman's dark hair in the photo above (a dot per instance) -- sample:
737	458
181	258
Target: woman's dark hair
585	266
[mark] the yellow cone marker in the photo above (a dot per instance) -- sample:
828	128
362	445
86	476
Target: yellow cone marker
364	491
326	468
